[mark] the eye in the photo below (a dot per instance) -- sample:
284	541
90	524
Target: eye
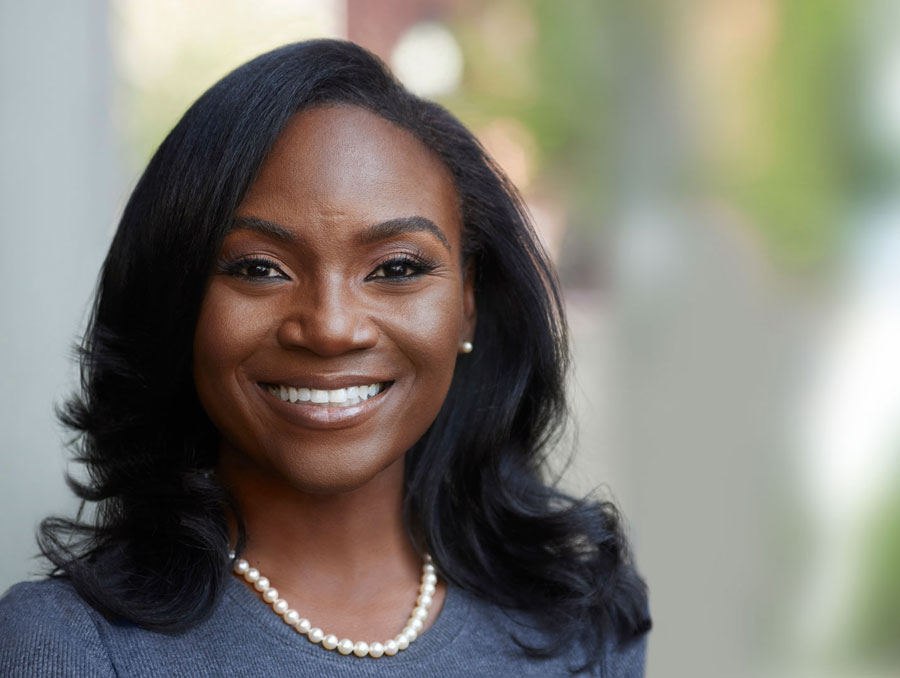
401	268
254	269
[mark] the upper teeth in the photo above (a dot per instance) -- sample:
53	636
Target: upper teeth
337	396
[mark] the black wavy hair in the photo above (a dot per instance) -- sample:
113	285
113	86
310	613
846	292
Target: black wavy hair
154	549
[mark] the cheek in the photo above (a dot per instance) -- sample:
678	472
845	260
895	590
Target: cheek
428	330
226	333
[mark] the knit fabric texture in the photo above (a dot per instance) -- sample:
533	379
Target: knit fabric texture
47	630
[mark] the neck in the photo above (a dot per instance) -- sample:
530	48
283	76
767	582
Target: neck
345	536
343	558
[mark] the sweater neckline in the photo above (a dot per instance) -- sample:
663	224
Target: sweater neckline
450	623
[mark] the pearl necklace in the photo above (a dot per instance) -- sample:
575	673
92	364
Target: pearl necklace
330	641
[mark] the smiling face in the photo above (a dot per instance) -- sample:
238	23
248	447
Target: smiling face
340	281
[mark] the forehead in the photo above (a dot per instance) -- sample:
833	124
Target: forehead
338	164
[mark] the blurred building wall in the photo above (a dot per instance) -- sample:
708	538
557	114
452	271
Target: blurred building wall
57	179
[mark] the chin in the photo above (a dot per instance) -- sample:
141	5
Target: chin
324	486
326	471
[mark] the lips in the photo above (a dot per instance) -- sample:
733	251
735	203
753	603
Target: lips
317	407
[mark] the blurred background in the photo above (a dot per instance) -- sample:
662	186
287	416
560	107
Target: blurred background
718	183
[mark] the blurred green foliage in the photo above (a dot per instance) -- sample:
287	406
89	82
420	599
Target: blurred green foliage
873	638
559	80
591	65
800	195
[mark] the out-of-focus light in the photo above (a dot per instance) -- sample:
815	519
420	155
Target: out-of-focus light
850	434
428	60
205	38
850	425
511	144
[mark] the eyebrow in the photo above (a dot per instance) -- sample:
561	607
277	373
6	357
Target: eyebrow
372	234
263	227
394	227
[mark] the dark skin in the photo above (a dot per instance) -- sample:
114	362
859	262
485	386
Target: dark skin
343	267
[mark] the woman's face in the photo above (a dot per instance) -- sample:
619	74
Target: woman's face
341	280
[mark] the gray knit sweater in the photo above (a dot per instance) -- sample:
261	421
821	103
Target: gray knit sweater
46	629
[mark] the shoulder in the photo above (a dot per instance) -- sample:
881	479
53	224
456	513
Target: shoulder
504	634
46	629
627	659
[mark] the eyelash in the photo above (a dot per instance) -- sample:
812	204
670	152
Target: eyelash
240	268
418	265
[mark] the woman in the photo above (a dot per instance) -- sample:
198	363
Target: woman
325	363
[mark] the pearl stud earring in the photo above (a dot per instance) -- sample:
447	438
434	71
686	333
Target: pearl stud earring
466	347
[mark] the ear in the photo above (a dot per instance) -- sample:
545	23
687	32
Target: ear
469	312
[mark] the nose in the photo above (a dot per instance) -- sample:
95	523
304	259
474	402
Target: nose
328	318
